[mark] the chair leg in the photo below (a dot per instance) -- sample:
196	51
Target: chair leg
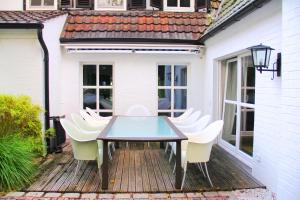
171	155
77	169
184	174
208	175
166	149
109	154
113	146
201	168
127	145
148	144
174	168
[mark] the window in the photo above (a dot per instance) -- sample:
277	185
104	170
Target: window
136	4
172	89
76	3
179	5
110	4
239	108
203	5
97	88
41	4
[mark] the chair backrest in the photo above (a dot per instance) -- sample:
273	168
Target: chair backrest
190	119
91	120
84	146
197	126
199	147
92	113
185	115
82	124
138	110
202	122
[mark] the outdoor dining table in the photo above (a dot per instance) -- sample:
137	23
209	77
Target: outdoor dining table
141	129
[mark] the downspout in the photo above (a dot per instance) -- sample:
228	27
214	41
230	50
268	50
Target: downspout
46	75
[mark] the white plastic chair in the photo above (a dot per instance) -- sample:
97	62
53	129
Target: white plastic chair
182	117
82	124
199	148
84	144
95	115
189	120
138	110
199	125
91	120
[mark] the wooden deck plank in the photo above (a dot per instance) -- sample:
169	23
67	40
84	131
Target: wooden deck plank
93	181
125	174
132	169
157	172
152	179
138	172
118	179
145	174
113	170
163	171
85	176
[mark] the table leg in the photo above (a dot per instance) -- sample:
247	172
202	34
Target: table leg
105	166
161	145
178	177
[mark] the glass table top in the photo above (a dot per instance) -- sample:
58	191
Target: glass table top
145	128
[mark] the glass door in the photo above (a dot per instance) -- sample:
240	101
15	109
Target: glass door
238	107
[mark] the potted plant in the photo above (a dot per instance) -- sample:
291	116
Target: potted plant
51	140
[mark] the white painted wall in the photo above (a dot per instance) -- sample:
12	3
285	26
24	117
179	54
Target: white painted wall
261	26
21	64
11	5
289	165
135	79
51	33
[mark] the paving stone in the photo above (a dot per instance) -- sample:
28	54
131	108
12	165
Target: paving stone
159	195
71	195
89	196
123	196
34	194
210	194
105	196
52	195
177	195
15	194
141	196
225	194
194	195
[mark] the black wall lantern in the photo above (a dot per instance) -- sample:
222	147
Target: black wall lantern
261	58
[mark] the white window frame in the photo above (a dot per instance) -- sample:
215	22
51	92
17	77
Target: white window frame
98	87
178	8
41	7
235	149
172	87
123	8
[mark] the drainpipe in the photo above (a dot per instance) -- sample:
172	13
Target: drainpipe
46	75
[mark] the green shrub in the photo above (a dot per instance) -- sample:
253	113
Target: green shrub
16	163
18	116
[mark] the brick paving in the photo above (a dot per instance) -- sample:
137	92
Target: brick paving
246	194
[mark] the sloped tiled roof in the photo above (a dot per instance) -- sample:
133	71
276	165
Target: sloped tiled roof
27	17
133	26
227	10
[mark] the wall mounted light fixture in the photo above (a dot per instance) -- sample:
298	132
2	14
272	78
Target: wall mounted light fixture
261	58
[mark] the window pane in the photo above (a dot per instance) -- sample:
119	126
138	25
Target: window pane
180	99
185	3
229	128
164	99
110	3
48	2
89	75
105	114
231	81
177	114
248	80
164	75
247	128
89	98
180	75
172	3
105	99
36	2
105	74
164	114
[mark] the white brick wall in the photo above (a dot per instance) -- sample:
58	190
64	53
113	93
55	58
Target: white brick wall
289	165
11	4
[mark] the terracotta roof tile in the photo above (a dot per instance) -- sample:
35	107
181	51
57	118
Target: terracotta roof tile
137	25
27	17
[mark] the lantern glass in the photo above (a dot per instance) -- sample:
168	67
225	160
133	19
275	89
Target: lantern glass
259	57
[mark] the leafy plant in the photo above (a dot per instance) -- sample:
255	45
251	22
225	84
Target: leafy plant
18	116
50	132
16	163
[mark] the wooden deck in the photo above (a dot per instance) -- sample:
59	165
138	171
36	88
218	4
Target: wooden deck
141	170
